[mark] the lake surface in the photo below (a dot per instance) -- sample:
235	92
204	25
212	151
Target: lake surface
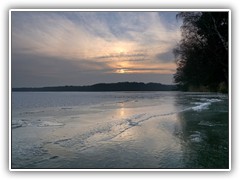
119	130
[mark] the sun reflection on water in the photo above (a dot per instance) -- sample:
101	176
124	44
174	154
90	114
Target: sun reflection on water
121	111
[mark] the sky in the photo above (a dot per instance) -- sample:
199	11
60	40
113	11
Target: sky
84	48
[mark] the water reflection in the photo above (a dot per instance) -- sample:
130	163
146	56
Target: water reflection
203	134
121	111
150	132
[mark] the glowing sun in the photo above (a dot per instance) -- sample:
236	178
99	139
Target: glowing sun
121	71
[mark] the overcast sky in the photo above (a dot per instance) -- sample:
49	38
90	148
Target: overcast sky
84	48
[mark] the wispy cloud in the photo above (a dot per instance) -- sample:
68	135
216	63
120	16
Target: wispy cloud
165	57
97	40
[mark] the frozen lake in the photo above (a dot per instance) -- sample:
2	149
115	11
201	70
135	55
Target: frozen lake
119	130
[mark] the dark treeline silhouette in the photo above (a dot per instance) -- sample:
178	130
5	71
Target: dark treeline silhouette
202	53
120	86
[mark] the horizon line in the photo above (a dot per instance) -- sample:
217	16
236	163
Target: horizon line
91	84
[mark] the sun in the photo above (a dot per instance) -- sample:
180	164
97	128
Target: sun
121	71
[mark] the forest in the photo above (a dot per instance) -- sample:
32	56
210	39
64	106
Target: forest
202	55
120	86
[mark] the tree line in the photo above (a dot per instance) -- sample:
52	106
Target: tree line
120	86
202	53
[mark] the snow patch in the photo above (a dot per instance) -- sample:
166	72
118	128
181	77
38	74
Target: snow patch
196	137
201	107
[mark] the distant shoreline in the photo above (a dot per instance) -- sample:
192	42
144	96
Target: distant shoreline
102	87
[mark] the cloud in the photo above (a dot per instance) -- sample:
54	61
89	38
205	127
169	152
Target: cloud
59	68
31	70
92	42
146	70
119	55
83	33
165	57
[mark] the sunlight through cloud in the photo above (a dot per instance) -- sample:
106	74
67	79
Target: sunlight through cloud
104	42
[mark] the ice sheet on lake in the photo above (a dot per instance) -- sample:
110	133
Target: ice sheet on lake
104	118
196	137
